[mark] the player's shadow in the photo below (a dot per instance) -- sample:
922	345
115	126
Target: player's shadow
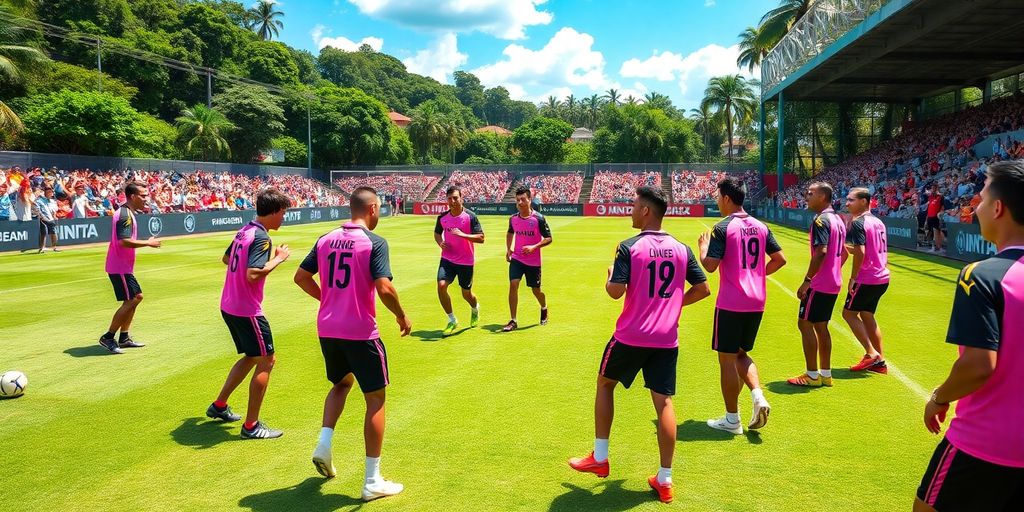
784	388
606	496
496	328
87	351
305	495
436	335
694	430
846	374
201	434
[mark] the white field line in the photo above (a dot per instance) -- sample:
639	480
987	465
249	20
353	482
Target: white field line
62	283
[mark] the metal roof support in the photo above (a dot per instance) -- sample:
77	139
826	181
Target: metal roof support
780	165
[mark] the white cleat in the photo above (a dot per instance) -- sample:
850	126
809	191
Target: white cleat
724	425
380	489
759	418
322	461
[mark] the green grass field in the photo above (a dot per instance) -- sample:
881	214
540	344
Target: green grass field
478	421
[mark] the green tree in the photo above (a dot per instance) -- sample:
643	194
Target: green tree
541	140
434	132
485	148
84	122
577	153
271	62
223	40
295	152
350	127
707	123
256	114
264	20
469	91
612	97
754	46
13	56
201	132
777	22
400	150
732	97
635	133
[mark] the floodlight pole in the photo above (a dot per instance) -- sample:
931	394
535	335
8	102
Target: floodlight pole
209	88
99	63
761	142
780	164
309	144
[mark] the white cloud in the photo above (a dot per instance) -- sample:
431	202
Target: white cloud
709	3
439	60
341	42
506	19
691	71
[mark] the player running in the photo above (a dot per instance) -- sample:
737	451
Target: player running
650	270
354	267
455	233
120	266
980	463
821	286
531	232
746	252
866	243
249	263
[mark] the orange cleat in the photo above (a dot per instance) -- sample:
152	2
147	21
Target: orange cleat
664	490
866	363
806	380
589	465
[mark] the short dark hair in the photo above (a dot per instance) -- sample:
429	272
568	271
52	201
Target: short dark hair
523	190
826	188
655	197
451	190
1006	183
861	193
361	199
734	189
270	201
132	189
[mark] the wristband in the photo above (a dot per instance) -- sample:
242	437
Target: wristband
936	400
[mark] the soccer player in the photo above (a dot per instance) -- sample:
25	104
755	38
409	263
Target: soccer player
249	263
650	269
866	243
980	463
354	267
455	233
531	232
121	265
821	286
746	252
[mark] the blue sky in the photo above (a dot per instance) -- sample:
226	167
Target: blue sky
537	48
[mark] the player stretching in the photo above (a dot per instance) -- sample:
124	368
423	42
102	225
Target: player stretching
980	463
739	246
821	286
531	232
354	267
455	232
241	305
869	280
649	269
121	265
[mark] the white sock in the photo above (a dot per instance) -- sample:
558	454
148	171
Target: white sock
600	450
826	373
732	417
372	469
757	394
476	309
451	317
664	476
812	374
545	308
326	434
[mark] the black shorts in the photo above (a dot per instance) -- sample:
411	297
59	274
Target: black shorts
956	481
448	271
735	331
932	223
47	227
517	269
865	297
251	334
816	307
366	359
622	362
126	287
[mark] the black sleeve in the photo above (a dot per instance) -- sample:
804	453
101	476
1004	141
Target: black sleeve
380	259
694	275
856	234
437	227
977	307
716	246
820	231
542	225
771	245
510	230
310	264
259	250
228	249
622	265
474	225
123	228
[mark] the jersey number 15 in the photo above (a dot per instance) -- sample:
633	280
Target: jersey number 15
338	264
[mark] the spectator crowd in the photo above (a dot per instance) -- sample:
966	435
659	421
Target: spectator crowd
696	186
620	187
478	186
555	188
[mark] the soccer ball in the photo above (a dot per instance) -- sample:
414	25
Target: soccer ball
12	384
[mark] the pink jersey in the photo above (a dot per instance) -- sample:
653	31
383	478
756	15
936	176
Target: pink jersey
868	231
653	266
249	249
528	231
349	260
987	307
459	250
828	229
121	259
742	243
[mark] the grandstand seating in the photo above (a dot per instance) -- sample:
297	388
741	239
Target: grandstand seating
619	187
409	187
478	186
555	188
694	186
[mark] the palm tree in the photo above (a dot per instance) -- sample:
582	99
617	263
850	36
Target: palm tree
753	47
630	100
201	130
571	110
431	129
551	107
263	19
593	105
705	121
659	101
12	58
732	97
777	22
612	96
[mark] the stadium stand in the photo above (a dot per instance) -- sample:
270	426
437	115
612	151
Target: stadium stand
693	186
410	187
555	188
619	187
478	186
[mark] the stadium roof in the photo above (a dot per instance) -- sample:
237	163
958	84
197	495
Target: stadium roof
913	49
